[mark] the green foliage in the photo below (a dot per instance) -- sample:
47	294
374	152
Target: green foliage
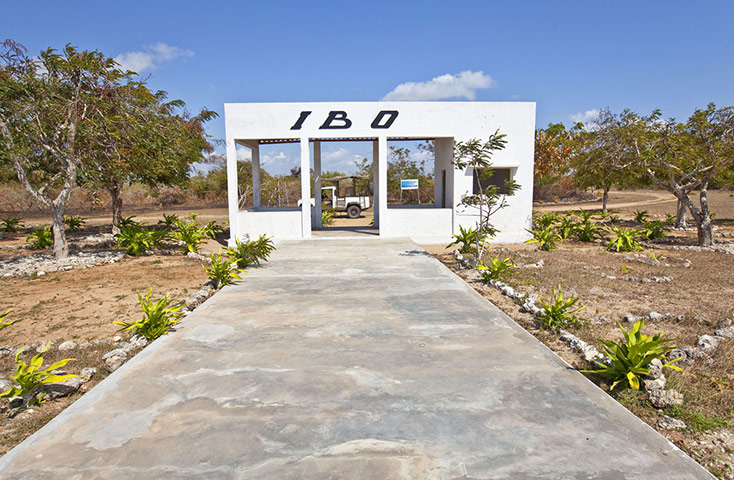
190	234
588	232
468	238
559	312
251	252
40	238
327	216
29	377
128	221
221	272
546	220
497	269
670	218
137	240
640	216
566	227
10	224
74	223
212	229
624	240
585	215
697	421
546	238
630	357
3	323
169	220
158	317
654	230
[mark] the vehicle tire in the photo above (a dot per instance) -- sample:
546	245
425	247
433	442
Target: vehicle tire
353	211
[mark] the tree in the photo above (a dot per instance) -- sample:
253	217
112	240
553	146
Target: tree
683	157
143	138
604	157
554	148
50	109
477	155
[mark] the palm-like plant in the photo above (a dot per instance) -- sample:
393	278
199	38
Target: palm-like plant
158	317
624	240
588	232
497	269
251	252
546	238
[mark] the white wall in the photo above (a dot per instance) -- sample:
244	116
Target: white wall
280	223
424	225
445	121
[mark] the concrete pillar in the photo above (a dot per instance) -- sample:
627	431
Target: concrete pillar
232	191
256	195
375	183
382	185
305	188
317	219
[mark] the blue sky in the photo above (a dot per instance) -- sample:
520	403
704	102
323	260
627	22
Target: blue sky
569	57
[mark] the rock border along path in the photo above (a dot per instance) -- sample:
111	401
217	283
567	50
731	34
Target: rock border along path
347	359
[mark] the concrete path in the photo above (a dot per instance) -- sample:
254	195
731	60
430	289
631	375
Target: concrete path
347	359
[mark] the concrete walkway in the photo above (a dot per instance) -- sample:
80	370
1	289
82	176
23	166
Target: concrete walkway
358	359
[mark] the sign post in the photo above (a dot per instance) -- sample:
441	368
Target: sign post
408	184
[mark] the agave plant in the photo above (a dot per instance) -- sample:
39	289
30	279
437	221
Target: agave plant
546	238
640	216
74	223
631	357
624	240
497	269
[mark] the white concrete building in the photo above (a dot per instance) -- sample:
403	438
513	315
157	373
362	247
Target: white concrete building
310	124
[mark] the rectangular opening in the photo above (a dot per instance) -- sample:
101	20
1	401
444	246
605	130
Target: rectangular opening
483	178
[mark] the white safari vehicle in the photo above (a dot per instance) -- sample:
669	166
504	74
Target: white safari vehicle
353	205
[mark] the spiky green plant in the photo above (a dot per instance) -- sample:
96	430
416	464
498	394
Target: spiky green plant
221	272
567	227
559	312
546	220
497	269
327	216
624	240
670	218
190	234
468	238
169	220
631	357
127	221
588	232
158	317
30	378
41	237
212	229
585	215
74	223
3	323
10	224
251	252
137	240
546	238
654	230
640	216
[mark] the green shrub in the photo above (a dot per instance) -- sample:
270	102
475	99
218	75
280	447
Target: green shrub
546	220
567	227
10	224
559	312
640	216
585	215
40	238
158	317
190	234
654	230
221	272
588	232
128	221
624	240
630	357
497	269
169	220
212	229
74	224
29	377
249	252
670	218
468	239
327	216
137	240
546	238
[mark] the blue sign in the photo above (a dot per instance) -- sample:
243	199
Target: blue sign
410	184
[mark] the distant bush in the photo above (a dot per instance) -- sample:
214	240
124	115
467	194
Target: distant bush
41	237
74	224
10	224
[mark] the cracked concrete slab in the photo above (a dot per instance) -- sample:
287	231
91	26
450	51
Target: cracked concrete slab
347	358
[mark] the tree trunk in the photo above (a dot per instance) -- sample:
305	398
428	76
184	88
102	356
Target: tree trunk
703	227
116	195
605	199
680	217
61	248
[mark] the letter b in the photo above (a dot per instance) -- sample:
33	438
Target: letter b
336	115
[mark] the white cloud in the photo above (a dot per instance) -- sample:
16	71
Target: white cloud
151	57
460	85
243	154
584	117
